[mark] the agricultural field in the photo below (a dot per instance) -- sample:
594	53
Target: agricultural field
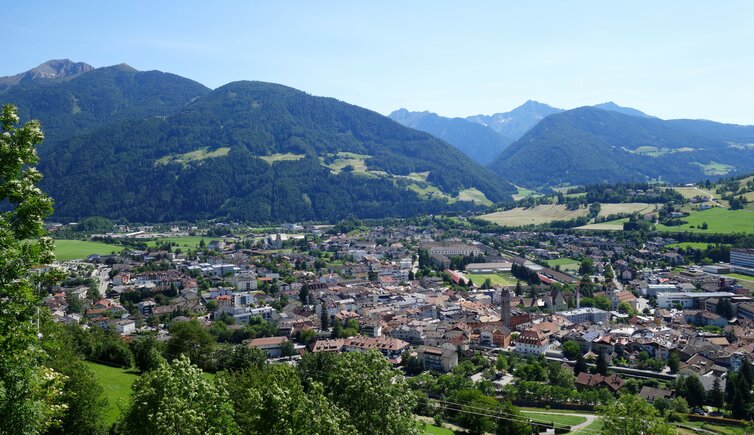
497	279
718	220
538	215
76	249
543	214
278	157
117	385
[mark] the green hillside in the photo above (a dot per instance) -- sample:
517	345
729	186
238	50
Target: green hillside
588	145
212	159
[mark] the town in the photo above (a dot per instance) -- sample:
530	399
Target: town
543	319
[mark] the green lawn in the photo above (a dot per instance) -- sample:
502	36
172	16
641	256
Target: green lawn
726	430
557	419
498	279
117	384
74	249
593	428
435	430
718	219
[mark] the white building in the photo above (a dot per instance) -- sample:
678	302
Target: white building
687	299
586	314
246	280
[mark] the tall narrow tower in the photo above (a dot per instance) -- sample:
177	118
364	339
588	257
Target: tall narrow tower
505	308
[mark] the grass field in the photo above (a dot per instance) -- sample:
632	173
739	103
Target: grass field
194	156
474	195
343	159
185	241
278	157
719	220
75	249
523	193
739	276
117	384
564	263
593	428
693	245
497	279
557	419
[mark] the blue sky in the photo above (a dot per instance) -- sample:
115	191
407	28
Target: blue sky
672	59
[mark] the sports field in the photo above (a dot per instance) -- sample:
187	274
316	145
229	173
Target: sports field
718	220
497	279
76	249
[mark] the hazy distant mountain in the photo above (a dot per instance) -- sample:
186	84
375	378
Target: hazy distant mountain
589	145
151	146
612	107
480	143
518	121
60	69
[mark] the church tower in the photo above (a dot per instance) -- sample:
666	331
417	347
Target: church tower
505	314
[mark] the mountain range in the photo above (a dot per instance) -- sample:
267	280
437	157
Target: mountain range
152	146
588	145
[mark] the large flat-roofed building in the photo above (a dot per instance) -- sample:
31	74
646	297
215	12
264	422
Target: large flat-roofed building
742	257
451	249
742	260
687	299
488	267
587	314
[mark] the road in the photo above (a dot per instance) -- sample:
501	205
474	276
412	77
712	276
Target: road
617	283
102	274
709	196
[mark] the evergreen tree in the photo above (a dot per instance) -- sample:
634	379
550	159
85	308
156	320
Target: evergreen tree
716	396
580	365
601	367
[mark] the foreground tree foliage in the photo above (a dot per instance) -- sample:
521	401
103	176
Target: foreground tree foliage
178	399
365	385
272	400
29	393
632	415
